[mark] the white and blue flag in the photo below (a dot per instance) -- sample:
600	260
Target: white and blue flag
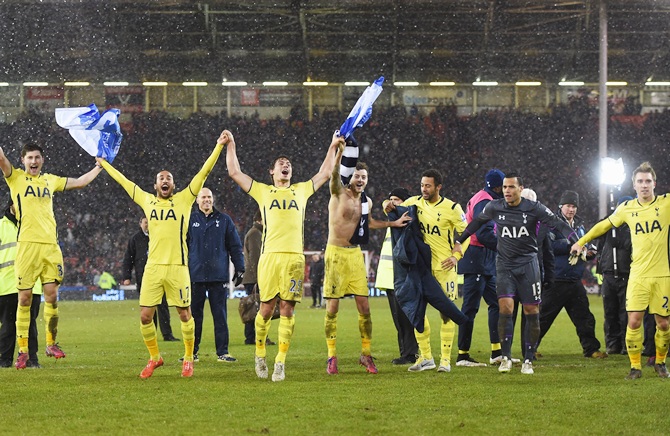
100	135
357	117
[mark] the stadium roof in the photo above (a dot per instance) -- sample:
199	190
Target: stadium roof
333	40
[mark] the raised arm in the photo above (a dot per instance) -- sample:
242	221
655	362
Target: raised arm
199	179
5	165
327	166
129	186
335	182
84	179
232	163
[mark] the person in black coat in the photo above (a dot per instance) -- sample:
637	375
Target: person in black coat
136	257
568	291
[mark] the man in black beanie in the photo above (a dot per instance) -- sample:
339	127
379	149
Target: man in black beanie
406	339
568	291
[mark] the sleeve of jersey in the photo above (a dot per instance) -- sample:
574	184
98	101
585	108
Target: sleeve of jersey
199	180
130	187
58	182
597	230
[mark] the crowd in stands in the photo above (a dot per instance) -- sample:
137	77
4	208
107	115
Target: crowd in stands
554	151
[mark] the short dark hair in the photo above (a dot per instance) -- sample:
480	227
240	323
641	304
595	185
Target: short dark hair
514	175
31	146
434	174
281	156
362	166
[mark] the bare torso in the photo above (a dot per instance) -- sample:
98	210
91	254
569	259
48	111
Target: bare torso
344	214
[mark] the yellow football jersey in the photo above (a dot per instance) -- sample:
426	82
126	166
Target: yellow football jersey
283	213
168	218
33	200
649	230
438	221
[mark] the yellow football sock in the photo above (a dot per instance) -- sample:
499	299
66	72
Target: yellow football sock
262	326
151	340
423	339
50	321
447	339
22	325
331	333
286	326
365	327
188	335
496	346
662	339
634	344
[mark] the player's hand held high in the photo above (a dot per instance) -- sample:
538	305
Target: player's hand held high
225	138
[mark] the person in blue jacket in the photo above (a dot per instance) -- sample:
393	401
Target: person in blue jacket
213	242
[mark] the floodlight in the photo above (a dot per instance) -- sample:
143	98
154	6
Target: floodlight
612	172
115	83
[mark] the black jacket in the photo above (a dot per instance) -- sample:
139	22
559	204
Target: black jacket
414	283
136	256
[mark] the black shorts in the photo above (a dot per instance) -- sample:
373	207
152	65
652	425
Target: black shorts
522	282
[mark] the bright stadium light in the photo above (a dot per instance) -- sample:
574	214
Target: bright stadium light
154	83
356	83
275	83
478	83
35	84
616	83
76	84
405	83
528	83
651	83
566	83
4	84
234	83
612	172
193	83
442	83
314	83
115	83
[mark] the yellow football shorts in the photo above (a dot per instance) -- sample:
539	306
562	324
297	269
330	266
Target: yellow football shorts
172	280
345	272
36	260
281	274
449	282
649	291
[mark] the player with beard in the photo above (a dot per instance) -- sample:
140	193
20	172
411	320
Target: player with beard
439	220
166	270
349	220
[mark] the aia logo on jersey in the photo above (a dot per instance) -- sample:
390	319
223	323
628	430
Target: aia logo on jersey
37	192
513	232
162	215
286	205
430	230
646	227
